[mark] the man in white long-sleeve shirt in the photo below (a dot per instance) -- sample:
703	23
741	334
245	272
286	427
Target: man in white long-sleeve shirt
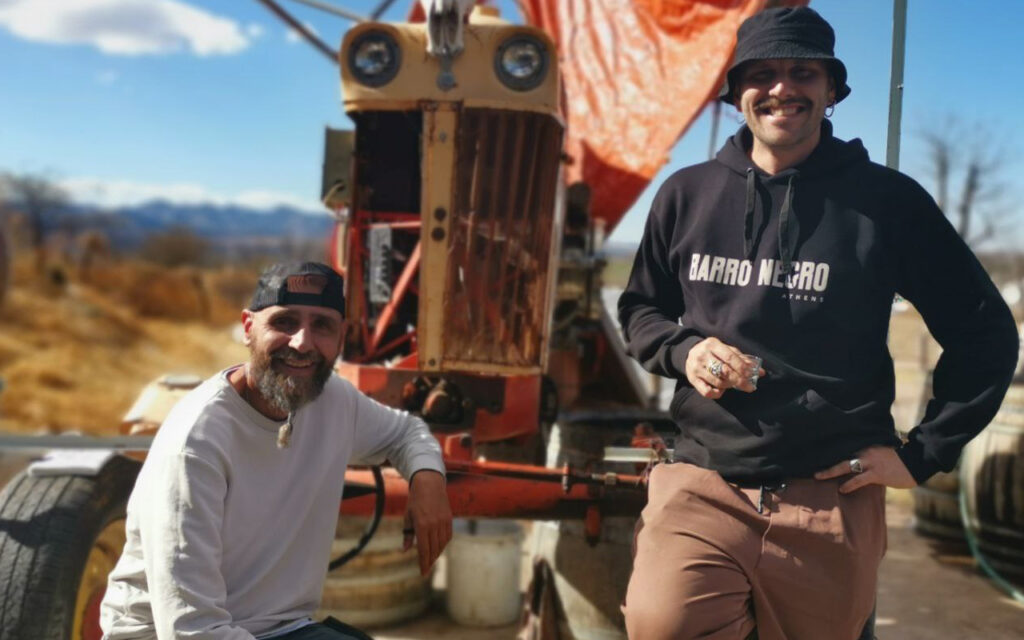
231	520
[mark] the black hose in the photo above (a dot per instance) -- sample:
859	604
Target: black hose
371	528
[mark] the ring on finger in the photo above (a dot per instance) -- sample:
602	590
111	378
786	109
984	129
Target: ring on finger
856	466
715	368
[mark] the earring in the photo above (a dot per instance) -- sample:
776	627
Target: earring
830	109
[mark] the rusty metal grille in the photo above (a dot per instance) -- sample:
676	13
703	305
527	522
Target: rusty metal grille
502	229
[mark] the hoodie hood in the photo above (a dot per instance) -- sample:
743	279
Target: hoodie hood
830	156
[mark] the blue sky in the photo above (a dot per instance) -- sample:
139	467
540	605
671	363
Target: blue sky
211	100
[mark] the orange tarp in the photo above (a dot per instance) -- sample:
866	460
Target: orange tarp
636	73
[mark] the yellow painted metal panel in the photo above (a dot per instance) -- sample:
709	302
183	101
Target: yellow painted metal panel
439	125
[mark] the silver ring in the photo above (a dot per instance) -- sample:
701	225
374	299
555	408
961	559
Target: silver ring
715	368
856	466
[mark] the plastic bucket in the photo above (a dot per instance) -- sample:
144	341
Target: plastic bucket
483	564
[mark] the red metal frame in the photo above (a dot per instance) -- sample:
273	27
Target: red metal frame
499	490
361	221
476	488
502	490
397	296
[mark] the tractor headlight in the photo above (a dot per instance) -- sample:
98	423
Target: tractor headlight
374	58
521	62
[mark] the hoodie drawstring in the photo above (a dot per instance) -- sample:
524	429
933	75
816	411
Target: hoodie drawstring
785	248
748	216
786	222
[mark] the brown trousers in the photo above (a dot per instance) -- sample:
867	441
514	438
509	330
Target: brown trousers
708	565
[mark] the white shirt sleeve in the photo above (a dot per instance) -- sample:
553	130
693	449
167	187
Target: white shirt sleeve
383	433
180	529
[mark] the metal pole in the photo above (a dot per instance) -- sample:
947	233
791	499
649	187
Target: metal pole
302	30
716	116
899	47
122	443
381	8
338	11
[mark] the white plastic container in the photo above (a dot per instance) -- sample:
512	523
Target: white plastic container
483	568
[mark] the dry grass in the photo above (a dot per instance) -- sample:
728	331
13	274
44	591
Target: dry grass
74	356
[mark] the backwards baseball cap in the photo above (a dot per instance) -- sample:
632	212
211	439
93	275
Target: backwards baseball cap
309	283
786	32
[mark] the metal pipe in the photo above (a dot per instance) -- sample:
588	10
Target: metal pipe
510	495
564	476
381	8
121	443
899	47
338	11
302	30
716	117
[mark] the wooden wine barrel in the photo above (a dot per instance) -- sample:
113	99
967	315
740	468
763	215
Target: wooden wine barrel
379	587
937	507
993	477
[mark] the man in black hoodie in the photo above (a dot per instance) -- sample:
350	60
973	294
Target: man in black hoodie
788	249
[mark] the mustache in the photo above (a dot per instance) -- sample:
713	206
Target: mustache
287	353
775	103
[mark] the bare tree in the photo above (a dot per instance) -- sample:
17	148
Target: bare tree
40	201
969	160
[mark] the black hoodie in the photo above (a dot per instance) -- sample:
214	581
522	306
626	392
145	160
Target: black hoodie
719	242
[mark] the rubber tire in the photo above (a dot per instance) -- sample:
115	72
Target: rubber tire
48	525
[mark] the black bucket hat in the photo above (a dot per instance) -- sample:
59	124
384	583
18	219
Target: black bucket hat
309	283
786	32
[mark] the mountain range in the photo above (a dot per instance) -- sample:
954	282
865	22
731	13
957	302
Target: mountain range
228	224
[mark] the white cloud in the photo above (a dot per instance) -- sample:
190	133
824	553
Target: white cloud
107	77
125	27
122	193
254	30
292	36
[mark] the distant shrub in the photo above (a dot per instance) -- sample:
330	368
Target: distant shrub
176	247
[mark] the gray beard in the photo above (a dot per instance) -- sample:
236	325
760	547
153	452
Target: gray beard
283	393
